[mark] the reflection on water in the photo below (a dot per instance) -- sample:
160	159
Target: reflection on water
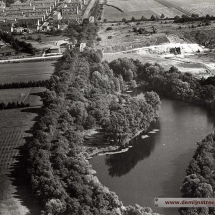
121	164
155	166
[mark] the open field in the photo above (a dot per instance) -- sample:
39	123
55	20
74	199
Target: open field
25	95
13	127
147	8
202	10
122	37
137	9
46	40
191	2
28	71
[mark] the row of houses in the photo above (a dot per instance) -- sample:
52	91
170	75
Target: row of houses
73	9
33	13
29	14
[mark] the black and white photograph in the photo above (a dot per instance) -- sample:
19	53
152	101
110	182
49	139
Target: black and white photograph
107	107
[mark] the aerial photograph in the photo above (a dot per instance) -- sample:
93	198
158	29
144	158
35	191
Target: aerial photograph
107	107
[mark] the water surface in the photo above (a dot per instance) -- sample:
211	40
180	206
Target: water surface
155	166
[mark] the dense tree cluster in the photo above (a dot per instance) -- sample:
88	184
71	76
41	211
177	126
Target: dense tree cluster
84	33
172	83
19	46
83	93
200	179
132	115
192	18
43	83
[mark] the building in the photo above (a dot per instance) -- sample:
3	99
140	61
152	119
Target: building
30	22
20	4
53	50
2	5
44	8
57	16
6	23
46	2
69	13
7	51
36	13
5	26
1	44
74	5
14	14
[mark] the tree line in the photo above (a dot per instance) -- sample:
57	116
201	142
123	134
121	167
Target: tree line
28	84
18	45
200	178
10	105
83	33
194	17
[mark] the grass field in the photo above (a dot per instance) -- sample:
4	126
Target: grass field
13	130
26	95
46	40
28	71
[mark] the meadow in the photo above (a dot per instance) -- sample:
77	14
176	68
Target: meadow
25	95
27	71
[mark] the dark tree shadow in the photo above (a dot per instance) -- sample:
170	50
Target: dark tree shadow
121	164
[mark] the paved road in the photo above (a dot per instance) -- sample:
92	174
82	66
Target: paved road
31	59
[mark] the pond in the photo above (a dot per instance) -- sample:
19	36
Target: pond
156	165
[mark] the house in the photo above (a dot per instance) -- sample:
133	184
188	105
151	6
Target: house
6	23
1	44
29	8
43	8
7	51
9	9
69	13
36	13
84	2
18	30
15	14
57	16
20	4
53	50
45	2
2	5
30	22
74	5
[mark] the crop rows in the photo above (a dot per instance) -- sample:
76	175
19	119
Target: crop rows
138	9
183	3
10	140
202	10
135	5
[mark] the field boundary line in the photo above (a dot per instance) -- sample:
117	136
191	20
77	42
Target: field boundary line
114	7
27	95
